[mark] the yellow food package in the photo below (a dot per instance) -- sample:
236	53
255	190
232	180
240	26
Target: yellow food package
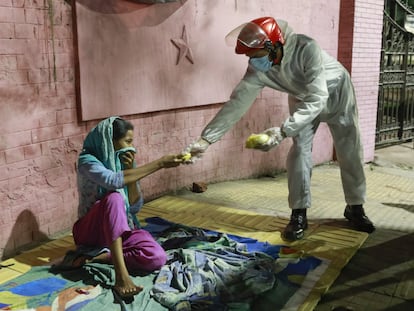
186	156
256	140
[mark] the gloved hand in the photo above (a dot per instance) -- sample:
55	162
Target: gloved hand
275	137
196	149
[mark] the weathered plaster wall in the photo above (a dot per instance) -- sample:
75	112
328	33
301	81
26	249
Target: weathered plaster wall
40	136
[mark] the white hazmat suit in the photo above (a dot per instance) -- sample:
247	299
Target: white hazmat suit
320	90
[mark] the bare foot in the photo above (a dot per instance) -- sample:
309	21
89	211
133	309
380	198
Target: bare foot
127	289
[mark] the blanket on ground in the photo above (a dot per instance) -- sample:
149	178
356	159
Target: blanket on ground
206	270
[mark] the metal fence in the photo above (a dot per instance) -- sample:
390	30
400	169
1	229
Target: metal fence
395	116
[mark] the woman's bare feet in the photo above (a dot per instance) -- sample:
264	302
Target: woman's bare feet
127	288
123	282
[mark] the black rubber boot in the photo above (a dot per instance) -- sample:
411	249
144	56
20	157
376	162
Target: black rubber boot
295	230
356	216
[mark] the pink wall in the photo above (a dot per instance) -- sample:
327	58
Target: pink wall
365	67
360	33
40	136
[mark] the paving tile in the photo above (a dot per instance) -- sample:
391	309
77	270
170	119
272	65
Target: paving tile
405	288
366	301
356	298
398	304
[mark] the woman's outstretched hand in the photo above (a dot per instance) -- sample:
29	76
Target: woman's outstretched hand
171	160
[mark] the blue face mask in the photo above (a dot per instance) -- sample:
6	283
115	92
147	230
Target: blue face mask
261	63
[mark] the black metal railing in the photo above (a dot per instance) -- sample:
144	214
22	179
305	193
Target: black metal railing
395	114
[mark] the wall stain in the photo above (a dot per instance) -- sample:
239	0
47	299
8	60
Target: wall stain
52	35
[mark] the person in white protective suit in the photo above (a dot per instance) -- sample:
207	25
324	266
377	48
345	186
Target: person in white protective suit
320	90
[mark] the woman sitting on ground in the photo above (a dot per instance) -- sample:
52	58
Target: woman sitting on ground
110	197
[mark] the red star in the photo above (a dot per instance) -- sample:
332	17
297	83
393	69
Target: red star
184	49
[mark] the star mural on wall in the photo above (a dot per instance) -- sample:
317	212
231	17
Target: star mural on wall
184	49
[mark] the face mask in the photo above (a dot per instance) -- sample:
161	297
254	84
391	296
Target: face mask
261	63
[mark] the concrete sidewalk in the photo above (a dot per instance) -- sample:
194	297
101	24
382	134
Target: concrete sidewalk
390	192
380	276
